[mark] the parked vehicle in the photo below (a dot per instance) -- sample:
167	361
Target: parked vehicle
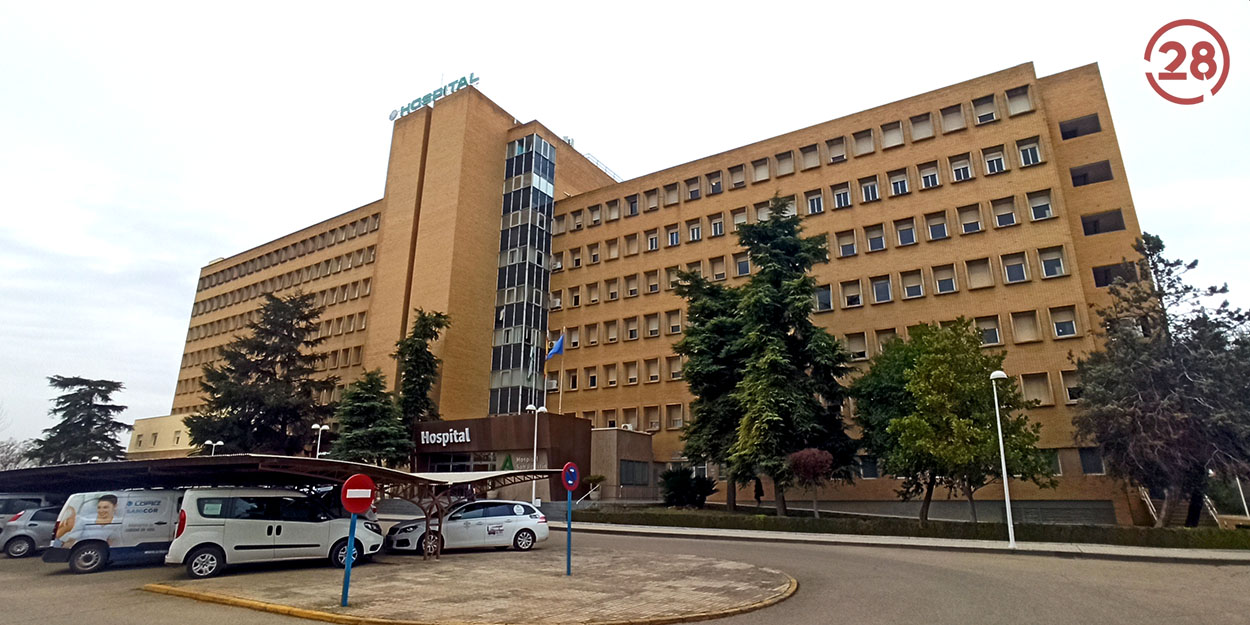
219	527
486	523
28	531
96	529
12	503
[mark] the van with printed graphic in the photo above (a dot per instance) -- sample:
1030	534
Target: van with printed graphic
97	529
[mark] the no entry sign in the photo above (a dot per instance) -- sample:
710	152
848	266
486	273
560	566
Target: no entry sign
358	493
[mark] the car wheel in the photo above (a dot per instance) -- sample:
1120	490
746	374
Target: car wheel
88	558
426	545
205	562
338	554
20	547
524	540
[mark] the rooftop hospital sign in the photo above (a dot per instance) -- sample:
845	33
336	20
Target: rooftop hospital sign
436	94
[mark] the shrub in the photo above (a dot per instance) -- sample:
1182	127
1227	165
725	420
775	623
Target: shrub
680	487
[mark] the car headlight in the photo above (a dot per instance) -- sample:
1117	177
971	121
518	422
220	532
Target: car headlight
373	527
408	530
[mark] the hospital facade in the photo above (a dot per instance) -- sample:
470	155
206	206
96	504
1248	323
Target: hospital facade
1002	199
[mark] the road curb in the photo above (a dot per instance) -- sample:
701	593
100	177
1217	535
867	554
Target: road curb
347	619
660	532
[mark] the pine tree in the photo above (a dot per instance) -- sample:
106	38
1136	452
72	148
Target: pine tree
262	397
418	369
370	427
87	430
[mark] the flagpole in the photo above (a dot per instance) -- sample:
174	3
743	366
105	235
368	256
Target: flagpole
560	409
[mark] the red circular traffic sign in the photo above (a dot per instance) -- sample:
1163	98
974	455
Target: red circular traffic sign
570	477
358	493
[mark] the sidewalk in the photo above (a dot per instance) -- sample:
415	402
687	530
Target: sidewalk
1062	550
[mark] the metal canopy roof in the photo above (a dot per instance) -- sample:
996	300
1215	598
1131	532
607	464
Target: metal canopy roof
239	470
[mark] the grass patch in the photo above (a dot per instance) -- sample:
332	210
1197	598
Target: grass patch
1179	538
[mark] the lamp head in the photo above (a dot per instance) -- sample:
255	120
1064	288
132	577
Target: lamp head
530	408
998	375
218	443
542	409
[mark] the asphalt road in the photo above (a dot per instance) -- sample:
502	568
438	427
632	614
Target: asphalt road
860	585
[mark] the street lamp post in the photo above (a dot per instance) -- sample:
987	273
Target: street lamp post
213	451
1002	456
534	483
320	428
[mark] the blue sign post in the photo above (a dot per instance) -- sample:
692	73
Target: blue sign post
357	495
351	555
571	477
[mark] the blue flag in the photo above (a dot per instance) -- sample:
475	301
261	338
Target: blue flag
558	348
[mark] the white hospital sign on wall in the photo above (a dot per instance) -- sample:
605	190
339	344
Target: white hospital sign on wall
434	95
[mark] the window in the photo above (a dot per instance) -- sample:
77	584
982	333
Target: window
718	225
575	256
610	329
824	298
670	194
961	168
785	163
1004	212
635	473
892	135
592	334
631	328
653	369
846	243
898	182
694	231
692	189
921	127
1052	262
674	235
944	279
739	216
1091	174
762	212
631	285
613	290
1039	205
718	268
1029	154
571	376
1091	461
929	176
815	202
631	244
868	467
884	337
1098	223
591	375
868	188
759	170
653	281
609	374
876	237
737	177
595	215
575	296
1071	386
953	118
863	142
1024	326
969	219
989	330
653	240
842	195
837	149
1064	321
881	290
984	109
936	222
1079	127
742	264
653	199
613	210
614	249
979	275
906	231
857	345
810	156
593	251
994	162
670	277
1018	100
1106	275
672	319
912	284
1036	387
851	294
1015	269
631	205
653	325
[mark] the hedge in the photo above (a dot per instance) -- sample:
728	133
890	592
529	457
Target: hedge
1186	538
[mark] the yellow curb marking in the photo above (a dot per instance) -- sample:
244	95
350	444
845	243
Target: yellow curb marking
347	619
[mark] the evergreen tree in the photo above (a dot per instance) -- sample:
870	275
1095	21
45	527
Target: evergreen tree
418	369
370	427
713	368
789	392
262	397
87	429
1167	394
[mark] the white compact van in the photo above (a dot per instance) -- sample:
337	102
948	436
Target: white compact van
218	527
118	527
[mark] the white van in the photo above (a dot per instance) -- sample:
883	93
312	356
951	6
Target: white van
114	527
225	526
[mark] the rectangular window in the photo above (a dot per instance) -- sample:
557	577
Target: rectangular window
694	230
571	376
815	202
876	237
1004	212
737	177
739	216
1024	326
1079	127
1036	387
613	210
653	199
653	240
851	296
898	182
592	334
837	149
674	236
1015	269
631	206
742	264
846	243
1064	321
653	281
961	168
595	216
1071	386
759	170
892	135
1029	152
718	225
913	285
824	298
631	244
1018	100
1091	174
921	127
609	375
692	189
653	325
953	118
670	194
868	188
906	231
631	373
944	279
631	286
994	161
842	196
810	156
1039	205
929	176
881	291
979	275
936	222
989	330
653	369
762	211
1052	262
984	109
613	290
614	249
863	142
969	219
718	268
713	183
785	163
672	319
673	415
1106	275
631	328
1098	223
1091	461
610	329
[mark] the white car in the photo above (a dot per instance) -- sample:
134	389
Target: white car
218	527
488	523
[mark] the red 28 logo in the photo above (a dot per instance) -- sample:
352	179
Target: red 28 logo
1187	83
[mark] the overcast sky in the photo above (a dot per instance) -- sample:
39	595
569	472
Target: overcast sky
140	141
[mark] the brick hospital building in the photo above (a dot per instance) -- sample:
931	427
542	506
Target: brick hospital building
1002	199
